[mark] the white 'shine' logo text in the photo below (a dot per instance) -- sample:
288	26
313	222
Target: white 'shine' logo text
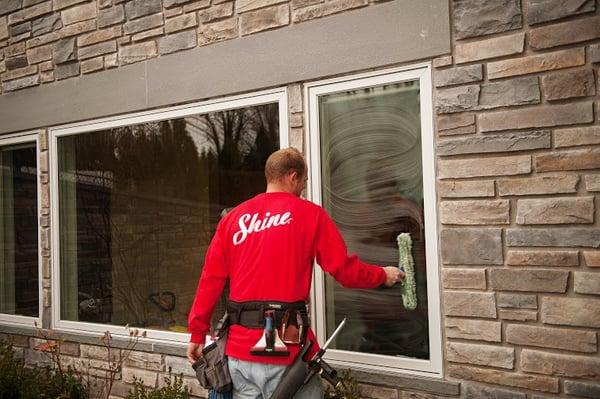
252	224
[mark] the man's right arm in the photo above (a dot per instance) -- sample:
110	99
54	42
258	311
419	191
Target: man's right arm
332	256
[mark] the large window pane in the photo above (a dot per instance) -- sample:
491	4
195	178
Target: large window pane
372	185
139	205
19	231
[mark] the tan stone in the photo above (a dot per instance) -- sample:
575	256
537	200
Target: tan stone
538	280
218	31
30	12
197	5
442	61
39	54
324	9
489	48
46	66
517	314
14	49
78	28
148	378
99	352
263	19
518	301
491	166
588	158
79	13
297	138
536	63
97	49
111	60
99	36
144	35
511	379
485	355
171	12
592	258
542	258
60	4
505	142
305	3
194	386
457	99
470	304
178	365
20	72
536	117
43	39
373	392
569	84
575	31
475	212
479	330
592	183
295	98
216	12
137	52
181	22
249	5
464	278
538	185
150	361
555	210
588	135
587	283
296	120
3	28
582	312
551	337
462	189
92	65
458	123
554	364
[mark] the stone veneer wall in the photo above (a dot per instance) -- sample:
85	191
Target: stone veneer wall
518	155
49	40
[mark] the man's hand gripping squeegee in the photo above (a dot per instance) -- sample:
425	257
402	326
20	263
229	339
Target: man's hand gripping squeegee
300	372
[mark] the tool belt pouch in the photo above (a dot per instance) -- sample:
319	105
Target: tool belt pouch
211	368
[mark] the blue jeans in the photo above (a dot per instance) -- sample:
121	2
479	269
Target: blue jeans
253	380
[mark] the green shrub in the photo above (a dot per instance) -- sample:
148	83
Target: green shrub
20	382
173	389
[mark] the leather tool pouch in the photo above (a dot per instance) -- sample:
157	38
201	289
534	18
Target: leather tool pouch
211	368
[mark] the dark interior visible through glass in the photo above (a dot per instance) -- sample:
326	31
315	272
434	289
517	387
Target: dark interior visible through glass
139	205
19	260
372	185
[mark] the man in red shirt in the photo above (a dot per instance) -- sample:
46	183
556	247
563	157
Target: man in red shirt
266	247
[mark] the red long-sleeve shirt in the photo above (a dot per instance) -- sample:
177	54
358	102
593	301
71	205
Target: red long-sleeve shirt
266	246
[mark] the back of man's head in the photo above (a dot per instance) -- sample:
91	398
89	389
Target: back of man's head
283	162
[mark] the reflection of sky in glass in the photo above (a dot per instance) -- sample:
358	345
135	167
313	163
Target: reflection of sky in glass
373	188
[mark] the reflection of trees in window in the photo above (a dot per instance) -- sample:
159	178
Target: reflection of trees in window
148	197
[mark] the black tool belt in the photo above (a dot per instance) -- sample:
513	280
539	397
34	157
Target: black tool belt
251	314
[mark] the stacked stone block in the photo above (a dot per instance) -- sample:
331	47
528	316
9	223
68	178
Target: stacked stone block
51	40
517	143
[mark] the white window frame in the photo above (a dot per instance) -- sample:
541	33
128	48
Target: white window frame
28	138
278	96
357	360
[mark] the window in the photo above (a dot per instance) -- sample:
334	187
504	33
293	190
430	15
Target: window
139	200
19	232
371	151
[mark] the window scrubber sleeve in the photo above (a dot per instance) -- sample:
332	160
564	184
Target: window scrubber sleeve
406	264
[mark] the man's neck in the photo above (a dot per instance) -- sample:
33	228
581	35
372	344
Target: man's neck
278	188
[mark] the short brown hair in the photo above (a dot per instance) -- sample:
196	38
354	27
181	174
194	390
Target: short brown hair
283	162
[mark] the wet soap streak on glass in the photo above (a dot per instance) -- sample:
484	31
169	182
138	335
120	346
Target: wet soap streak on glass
19	263
372	186
139	205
